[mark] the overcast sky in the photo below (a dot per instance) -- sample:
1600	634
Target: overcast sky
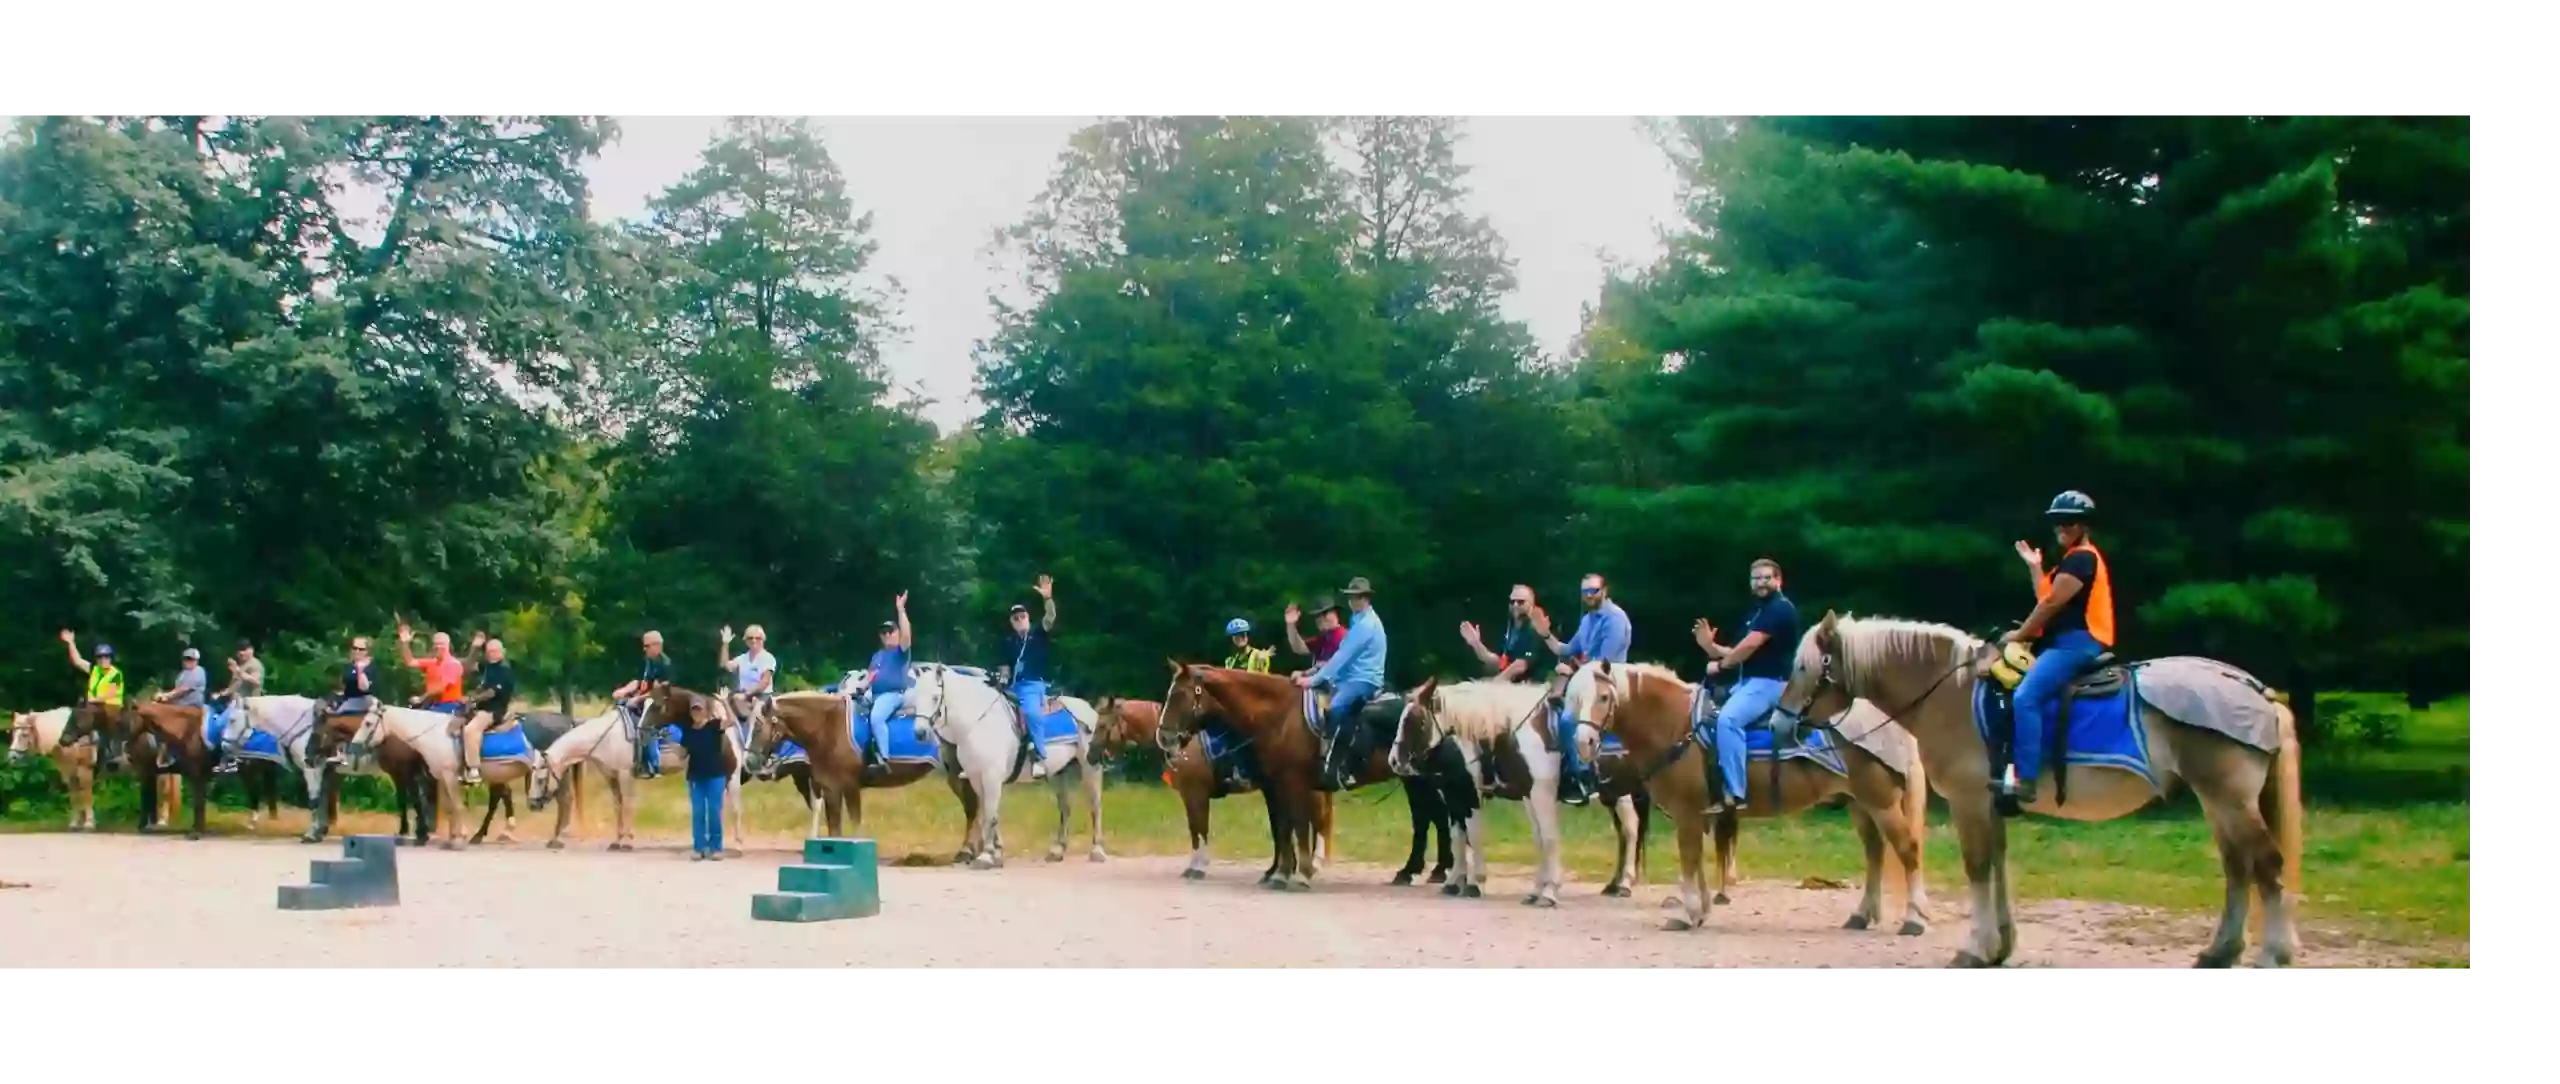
1561	190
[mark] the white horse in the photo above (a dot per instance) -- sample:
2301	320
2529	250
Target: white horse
39	734
606	742
430	733
974	721
290	720
1477	716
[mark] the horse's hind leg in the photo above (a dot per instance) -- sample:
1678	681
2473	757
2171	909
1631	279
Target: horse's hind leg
1871	902
1058	786
1093	801
497	793
1728	828
1419	813
1622	818
1441	820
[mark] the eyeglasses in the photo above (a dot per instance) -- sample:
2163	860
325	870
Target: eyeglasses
1764	579
1519	602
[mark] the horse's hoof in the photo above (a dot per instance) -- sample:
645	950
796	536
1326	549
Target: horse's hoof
309	838
1452	890
1968	960
1617	891
2271	956
1195	875
1912	927
1403	877
1669	902
985	862
1301	884
1722	899
1677	925
1438	876
1276	884
2216	959
452	846
554	845
1058	855
1856	922
1475	892
194	836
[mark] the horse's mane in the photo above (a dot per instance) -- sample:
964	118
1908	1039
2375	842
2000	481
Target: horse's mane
1483	711
1867	643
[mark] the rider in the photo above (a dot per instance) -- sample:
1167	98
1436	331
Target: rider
1357	671
755	668
355	683
1518	657
2075	616
489	707
1602	635
248	679
889	679
1246	656
106	690
1762	659
655	670
1329	634
440	669
1028	672
186	692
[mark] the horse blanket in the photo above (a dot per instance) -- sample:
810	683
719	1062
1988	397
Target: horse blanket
2102	731
259	745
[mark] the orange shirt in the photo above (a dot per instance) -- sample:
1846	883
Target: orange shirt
444	677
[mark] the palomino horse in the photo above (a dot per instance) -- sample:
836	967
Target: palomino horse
541	729
1649	708
2229	738
976	723
1188	769
291	721
1453	737
39	734
606	741
822	725
1269	712
430	735
181	731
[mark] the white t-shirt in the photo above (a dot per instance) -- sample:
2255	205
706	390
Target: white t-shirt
752	666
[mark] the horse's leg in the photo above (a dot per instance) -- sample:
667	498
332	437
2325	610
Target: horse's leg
1324	829
1870	902
1443	821
1195	817
1281	844
1093	802
1414	812
1299	801
497	792
1901	829
1980	836
507	795
451	811
198	769
1691	819
971	839
1058	786
560	827
733	809
1542	834
1728	826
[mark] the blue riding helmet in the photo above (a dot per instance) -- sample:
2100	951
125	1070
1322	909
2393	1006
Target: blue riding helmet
1239	627
104	651
2072	504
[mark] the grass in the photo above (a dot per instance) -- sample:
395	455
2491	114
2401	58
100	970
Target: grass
2394	874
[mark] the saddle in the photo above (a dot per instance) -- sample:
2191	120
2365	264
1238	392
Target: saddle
2104	674
1377	722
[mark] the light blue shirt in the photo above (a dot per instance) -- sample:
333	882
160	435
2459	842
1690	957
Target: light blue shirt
752	667
1602	636
1363	656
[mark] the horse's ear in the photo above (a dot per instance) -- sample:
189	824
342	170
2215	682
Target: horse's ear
1830	628
1429	694
1177	667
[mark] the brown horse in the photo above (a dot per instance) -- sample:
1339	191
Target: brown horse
822	725
179	730
1267	710
1127	724
2227	736
412	786
1648	708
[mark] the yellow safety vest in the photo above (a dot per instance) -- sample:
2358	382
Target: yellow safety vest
106	684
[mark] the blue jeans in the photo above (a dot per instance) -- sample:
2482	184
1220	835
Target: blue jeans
883	705
1344	713
1752	701
645	739
446	707
1031	695
707	795
2039	696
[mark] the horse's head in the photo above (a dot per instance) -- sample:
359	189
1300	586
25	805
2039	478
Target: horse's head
1815	689
1187	707
22	736
1418	730
363	739
1595	696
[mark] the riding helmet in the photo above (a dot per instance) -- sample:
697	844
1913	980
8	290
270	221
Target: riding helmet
1239	627
2072	504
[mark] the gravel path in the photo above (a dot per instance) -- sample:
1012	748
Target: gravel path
212	904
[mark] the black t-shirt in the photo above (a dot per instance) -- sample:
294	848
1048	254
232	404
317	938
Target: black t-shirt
657	671
1522	642
2081	565
1028	656
702	750
347	686
1776	654
500	678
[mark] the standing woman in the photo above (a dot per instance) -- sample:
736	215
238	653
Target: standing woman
706	780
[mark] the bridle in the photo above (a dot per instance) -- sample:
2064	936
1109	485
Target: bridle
1829	678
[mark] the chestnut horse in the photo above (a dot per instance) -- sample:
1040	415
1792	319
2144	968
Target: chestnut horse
1268	711
822	725
178	729
1129	724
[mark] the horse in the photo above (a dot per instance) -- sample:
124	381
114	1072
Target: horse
605	741
178	730
821	724
1270	713
404	766
1653	713
39	734
430	734
1494	738
1192	773
541	729
2230	738
292	722
978	725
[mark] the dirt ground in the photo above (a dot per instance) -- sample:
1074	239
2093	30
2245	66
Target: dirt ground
522	906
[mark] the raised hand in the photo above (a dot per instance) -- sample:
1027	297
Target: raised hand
1289	615
69	639
1538	620
726	635
1043	585
403	629
902	602
1473	636
1705	631
2032	556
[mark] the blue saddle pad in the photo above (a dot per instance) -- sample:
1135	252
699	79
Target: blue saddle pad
1057	726
904	746
259	744
789	750
1218	741
1814	745
1610	745
510	743
2104	732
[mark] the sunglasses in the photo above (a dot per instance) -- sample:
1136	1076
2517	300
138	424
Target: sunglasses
1590	592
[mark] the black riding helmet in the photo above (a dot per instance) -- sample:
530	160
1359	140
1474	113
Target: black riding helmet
2071	505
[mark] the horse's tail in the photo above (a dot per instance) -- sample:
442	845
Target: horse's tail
2280	801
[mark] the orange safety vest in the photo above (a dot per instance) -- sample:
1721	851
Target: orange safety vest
2102	601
